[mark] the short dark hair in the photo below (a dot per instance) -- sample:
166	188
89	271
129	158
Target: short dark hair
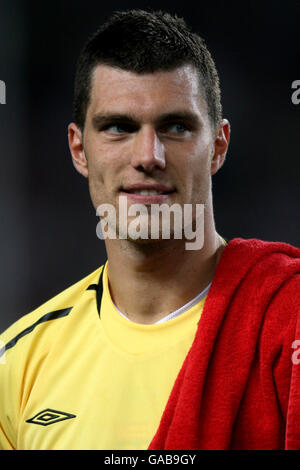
145	42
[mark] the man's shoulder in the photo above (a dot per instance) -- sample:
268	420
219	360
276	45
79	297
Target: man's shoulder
257	269
259	245
58	306
253	252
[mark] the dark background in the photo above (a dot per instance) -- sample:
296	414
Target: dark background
48	225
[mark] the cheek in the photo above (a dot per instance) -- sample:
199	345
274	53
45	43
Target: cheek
99	163
97	177
197	163
198	177
105	173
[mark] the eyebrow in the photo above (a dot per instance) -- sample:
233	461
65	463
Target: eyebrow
101	119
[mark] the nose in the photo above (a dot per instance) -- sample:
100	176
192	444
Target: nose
148	151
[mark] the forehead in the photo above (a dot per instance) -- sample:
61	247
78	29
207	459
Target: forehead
149	94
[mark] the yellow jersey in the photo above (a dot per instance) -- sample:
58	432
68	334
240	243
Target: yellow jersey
75	374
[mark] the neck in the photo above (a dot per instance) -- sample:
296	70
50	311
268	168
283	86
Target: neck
149	281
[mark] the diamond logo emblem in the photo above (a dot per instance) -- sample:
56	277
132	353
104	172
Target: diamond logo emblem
49	416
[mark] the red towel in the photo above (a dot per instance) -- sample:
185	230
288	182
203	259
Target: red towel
239	386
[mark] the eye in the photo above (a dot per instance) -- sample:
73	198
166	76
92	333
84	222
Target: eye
118	128
175	128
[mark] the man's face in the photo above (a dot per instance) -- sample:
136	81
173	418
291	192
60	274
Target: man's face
146	132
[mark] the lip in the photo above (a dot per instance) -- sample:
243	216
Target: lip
166	191
148	187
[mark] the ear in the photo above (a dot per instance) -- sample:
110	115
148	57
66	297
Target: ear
77	150
221	146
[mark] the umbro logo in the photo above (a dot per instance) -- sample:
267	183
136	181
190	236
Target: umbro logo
49	416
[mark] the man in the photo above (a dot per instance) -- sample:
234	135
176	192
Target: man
202	359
